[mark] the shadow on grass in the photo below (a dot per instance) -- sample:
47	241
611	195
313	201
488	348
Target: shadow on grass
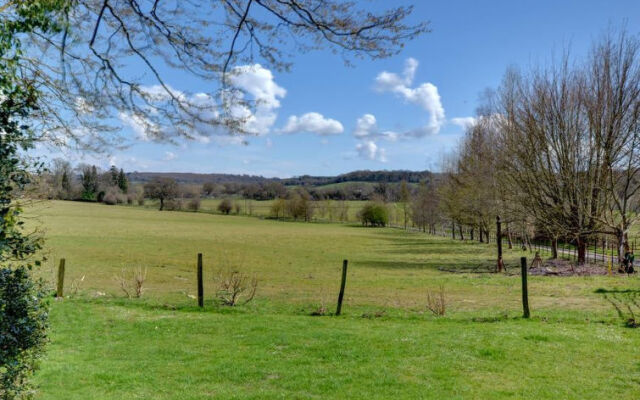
605	291
210	306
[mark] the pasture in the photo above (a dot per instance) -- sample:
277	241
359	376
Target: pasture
386	343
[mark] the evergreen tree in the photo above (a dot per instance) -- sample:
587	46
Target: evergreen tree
66	183
89	182
114	175
123	182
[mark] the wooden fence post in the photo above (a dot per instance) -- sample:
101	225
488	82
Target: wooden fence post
342	285
60	287
200	283
525	290
500	264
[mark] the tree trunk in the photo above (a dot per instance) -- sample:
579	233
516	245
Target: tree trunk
554	248
161	203
581	243
461	233
480	233
453	230
623	245
471	233
404	209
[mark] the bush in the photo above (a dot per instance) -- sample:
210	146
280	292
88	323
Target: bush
23	325
225	206
110	198
300	206
374	214
278	208
137	195
173	205
132	282
235	287
194	204
437	302
113	196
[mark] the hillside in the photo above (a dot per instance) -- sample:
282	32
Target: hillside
304	180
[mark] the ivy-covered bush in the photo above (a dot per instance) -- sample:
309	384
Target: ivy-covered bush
23	328
23	313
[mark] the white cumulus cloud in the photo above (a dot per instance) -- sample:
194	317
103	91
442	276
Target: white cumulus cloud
254	101
260	84
367	127
313	122
464	122
368	149
424	95
168	156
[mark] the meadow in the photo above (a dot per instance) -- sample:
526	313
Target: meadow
386	343
324	210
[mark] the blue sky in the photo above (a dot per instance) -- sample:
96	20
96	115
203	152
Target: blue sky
468	50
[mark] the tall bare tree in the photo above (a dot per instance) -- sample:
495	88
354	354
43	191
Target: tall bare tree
612	110
553	160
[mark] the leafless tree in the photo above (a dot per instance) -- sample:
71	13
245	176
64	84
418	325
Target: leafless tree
612	110
425	209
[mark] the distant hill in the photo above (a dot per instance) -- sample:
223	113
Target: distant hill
192	178
304	180
362	176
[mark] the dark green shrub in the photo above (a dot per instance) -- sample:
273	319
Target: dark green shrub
23	325
374	214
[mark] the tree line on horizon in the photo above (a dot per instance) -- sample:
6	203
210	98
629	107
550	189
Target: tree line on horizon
62	181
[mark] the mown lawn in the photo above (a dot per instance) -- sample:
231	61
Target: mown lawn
106	347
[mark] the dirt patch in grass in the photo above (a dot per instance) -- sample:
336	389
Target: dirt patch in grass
541	268
568	268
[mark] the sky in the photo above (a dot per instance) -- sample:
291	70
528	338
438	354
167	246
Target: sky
404	112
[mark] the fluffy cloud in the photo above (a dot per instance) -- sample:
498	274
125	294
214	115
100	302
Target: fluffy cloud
367	127
168	156
254	101
424	95
260	84
368	149
368	132
464	122
313	122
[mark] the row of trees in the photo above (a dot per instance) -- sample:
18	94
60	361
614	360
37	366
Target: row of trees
85	182
345	191
556	151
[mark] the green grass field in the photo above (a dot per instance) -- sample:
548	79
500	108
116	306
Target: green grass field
104	346
324	211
